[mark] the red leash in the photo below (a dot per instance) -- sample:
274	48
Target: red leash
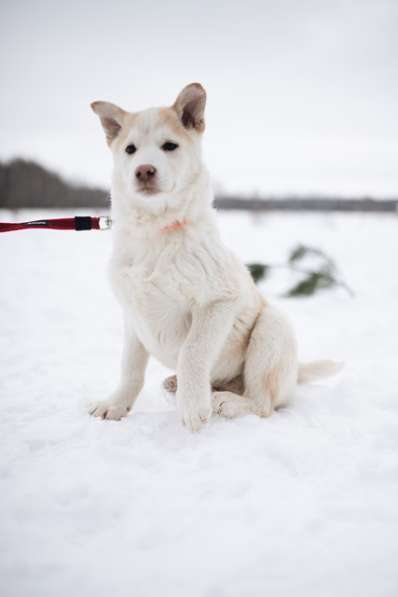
76	223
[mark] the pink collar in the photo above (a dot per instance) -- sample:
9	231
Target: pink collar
177	225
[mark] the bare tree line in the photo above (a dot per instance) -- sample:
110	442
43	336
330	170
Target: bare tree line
27	184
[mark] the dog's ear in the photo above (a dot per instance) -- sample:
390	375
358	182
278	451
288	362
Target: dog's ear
111	117
190	106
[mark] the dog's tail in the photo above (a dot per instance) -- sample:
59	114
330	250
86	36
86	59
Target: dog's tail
314	370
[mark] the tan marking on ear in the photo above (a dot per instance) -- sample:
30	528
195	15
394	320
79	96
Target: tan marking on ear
112	119
190	107
170	118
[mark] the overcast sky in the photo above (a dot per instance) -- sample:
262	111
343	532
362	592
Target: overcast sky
302	95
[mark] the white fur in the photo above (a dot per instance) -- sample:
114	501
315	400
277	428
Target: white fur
186	299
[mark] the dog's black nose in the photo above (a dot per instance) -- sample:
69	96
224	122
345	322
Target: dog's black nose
145	172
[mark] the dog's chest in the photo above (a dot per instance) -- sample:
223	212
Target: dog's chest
158	298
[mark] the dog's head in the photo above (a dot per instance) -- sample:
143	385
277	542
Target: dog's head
156	152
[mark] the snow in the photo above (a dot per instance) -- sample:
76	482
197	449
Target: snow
303	503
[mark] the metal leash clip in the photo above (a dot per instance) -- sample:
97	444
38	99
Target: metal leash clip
104	222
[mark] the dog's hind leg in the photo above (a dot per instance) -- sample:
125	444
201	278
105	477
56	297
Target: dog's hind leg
170	384
233	385
226	396
270	371
230	405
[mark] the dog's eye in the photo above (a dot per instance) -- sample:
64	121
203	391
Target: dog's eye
131	148
169	146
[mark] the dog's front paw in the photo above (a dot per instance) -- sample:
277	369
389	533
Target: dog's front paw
109	409
194	414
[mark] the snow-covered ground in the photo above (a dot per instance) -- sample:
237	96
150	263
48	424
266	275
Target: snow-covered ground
304	503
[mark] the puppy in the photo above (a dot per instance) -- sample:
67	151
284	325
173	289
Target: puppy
186	299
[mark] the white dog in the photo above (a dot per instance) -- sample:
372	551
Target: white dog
187	300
